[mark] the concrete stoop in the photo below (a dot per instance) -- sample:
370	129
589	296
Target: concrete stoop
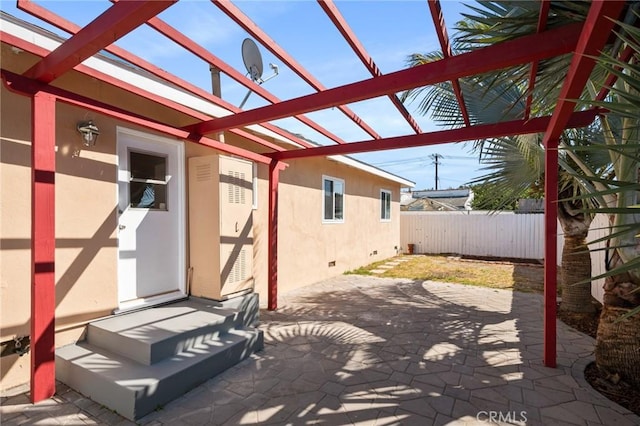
134	363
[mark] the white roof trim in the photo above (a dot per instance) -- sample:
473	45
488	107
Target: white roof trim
174	94
371	169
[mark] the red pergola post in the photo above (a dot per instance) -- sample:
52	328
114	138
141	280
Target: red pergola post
550	250
43	244
596	31
274	177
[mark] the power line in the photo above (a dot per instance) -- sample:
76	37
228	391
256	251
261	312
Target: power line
420	159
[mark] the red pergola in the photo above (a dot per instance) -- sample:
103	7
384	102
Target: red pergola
584	40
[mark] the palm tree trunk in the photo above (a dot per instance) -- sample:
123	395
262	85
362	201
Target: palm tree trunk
575	268
618	341
575	275
617	345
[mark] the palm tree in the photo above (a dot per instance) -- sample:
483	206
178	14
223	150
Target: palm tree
515	164
588	185
618	340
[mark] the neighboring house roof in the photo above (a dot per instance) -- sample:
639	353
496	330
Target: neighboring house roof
132	74
427	204
442	193
436	200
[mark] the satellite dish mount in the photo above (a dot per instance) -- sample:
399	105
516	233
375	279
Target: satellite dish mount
253	63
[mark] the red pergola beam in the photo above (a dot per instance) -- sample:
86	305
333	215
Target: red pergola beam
58	21
550	43
43	247
625	56
241	19
597	29
542	24
341	24
182	40
443	38
115	22
25	86
31	48
477	132
179	38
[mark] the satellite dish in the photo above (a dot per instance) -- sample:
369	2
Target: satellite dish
252	59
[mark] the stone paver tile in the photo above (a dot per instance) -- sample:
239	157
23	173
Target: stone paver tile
490	396
333	388
442	404
479	381
255	400
198	417
609	416
523	410
546	397
457	392
401	378
360	412
563	383
109	417
574	409
242	389
463	408
409	418
420	406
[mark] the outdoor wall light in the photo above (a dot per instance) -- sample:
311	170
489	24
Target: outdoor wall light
89	132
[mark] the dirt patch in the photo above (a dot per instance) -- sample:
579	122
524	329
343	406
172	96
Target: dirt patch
622	393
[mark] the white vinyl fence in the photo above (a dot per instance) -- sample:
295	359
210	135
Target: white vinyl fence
479	233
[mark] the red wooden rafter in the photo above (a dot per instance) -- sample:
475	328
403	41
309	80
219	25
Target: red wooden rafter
182	40
443	38
241	19
596	31
115	22
56	20
625	56
475	132
25	86
542	24
341	24
31	48
522	50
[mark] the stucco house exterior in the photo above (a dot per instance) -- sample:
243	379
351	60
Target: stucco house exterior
144	217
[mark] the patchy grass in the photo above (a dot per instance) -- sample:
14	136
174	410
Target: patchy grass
484	273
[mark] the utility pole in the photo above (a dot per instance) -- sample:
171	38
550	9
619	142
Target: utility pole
436	162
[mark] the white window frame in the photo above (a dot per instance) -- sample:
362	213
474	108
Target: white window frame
341	181
390	194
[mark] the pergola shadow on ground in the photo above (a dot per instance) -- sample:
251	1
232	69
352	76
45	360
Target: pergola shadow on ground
583	41
365	350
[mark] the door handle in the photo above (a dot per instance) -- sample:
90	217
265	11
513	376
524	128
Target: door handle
121	227
236	226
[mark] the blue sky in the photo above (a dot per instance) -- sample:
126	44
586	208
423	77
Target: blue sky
389	30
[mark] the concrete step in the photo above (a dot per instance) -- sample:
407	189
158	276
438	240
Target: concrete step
134	389
151	335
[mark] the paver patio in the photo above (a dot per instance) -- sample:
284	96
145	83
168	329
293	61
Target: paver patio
375	351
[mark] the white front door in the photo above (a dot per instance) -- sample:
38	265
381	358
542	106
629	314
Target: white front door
151	260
